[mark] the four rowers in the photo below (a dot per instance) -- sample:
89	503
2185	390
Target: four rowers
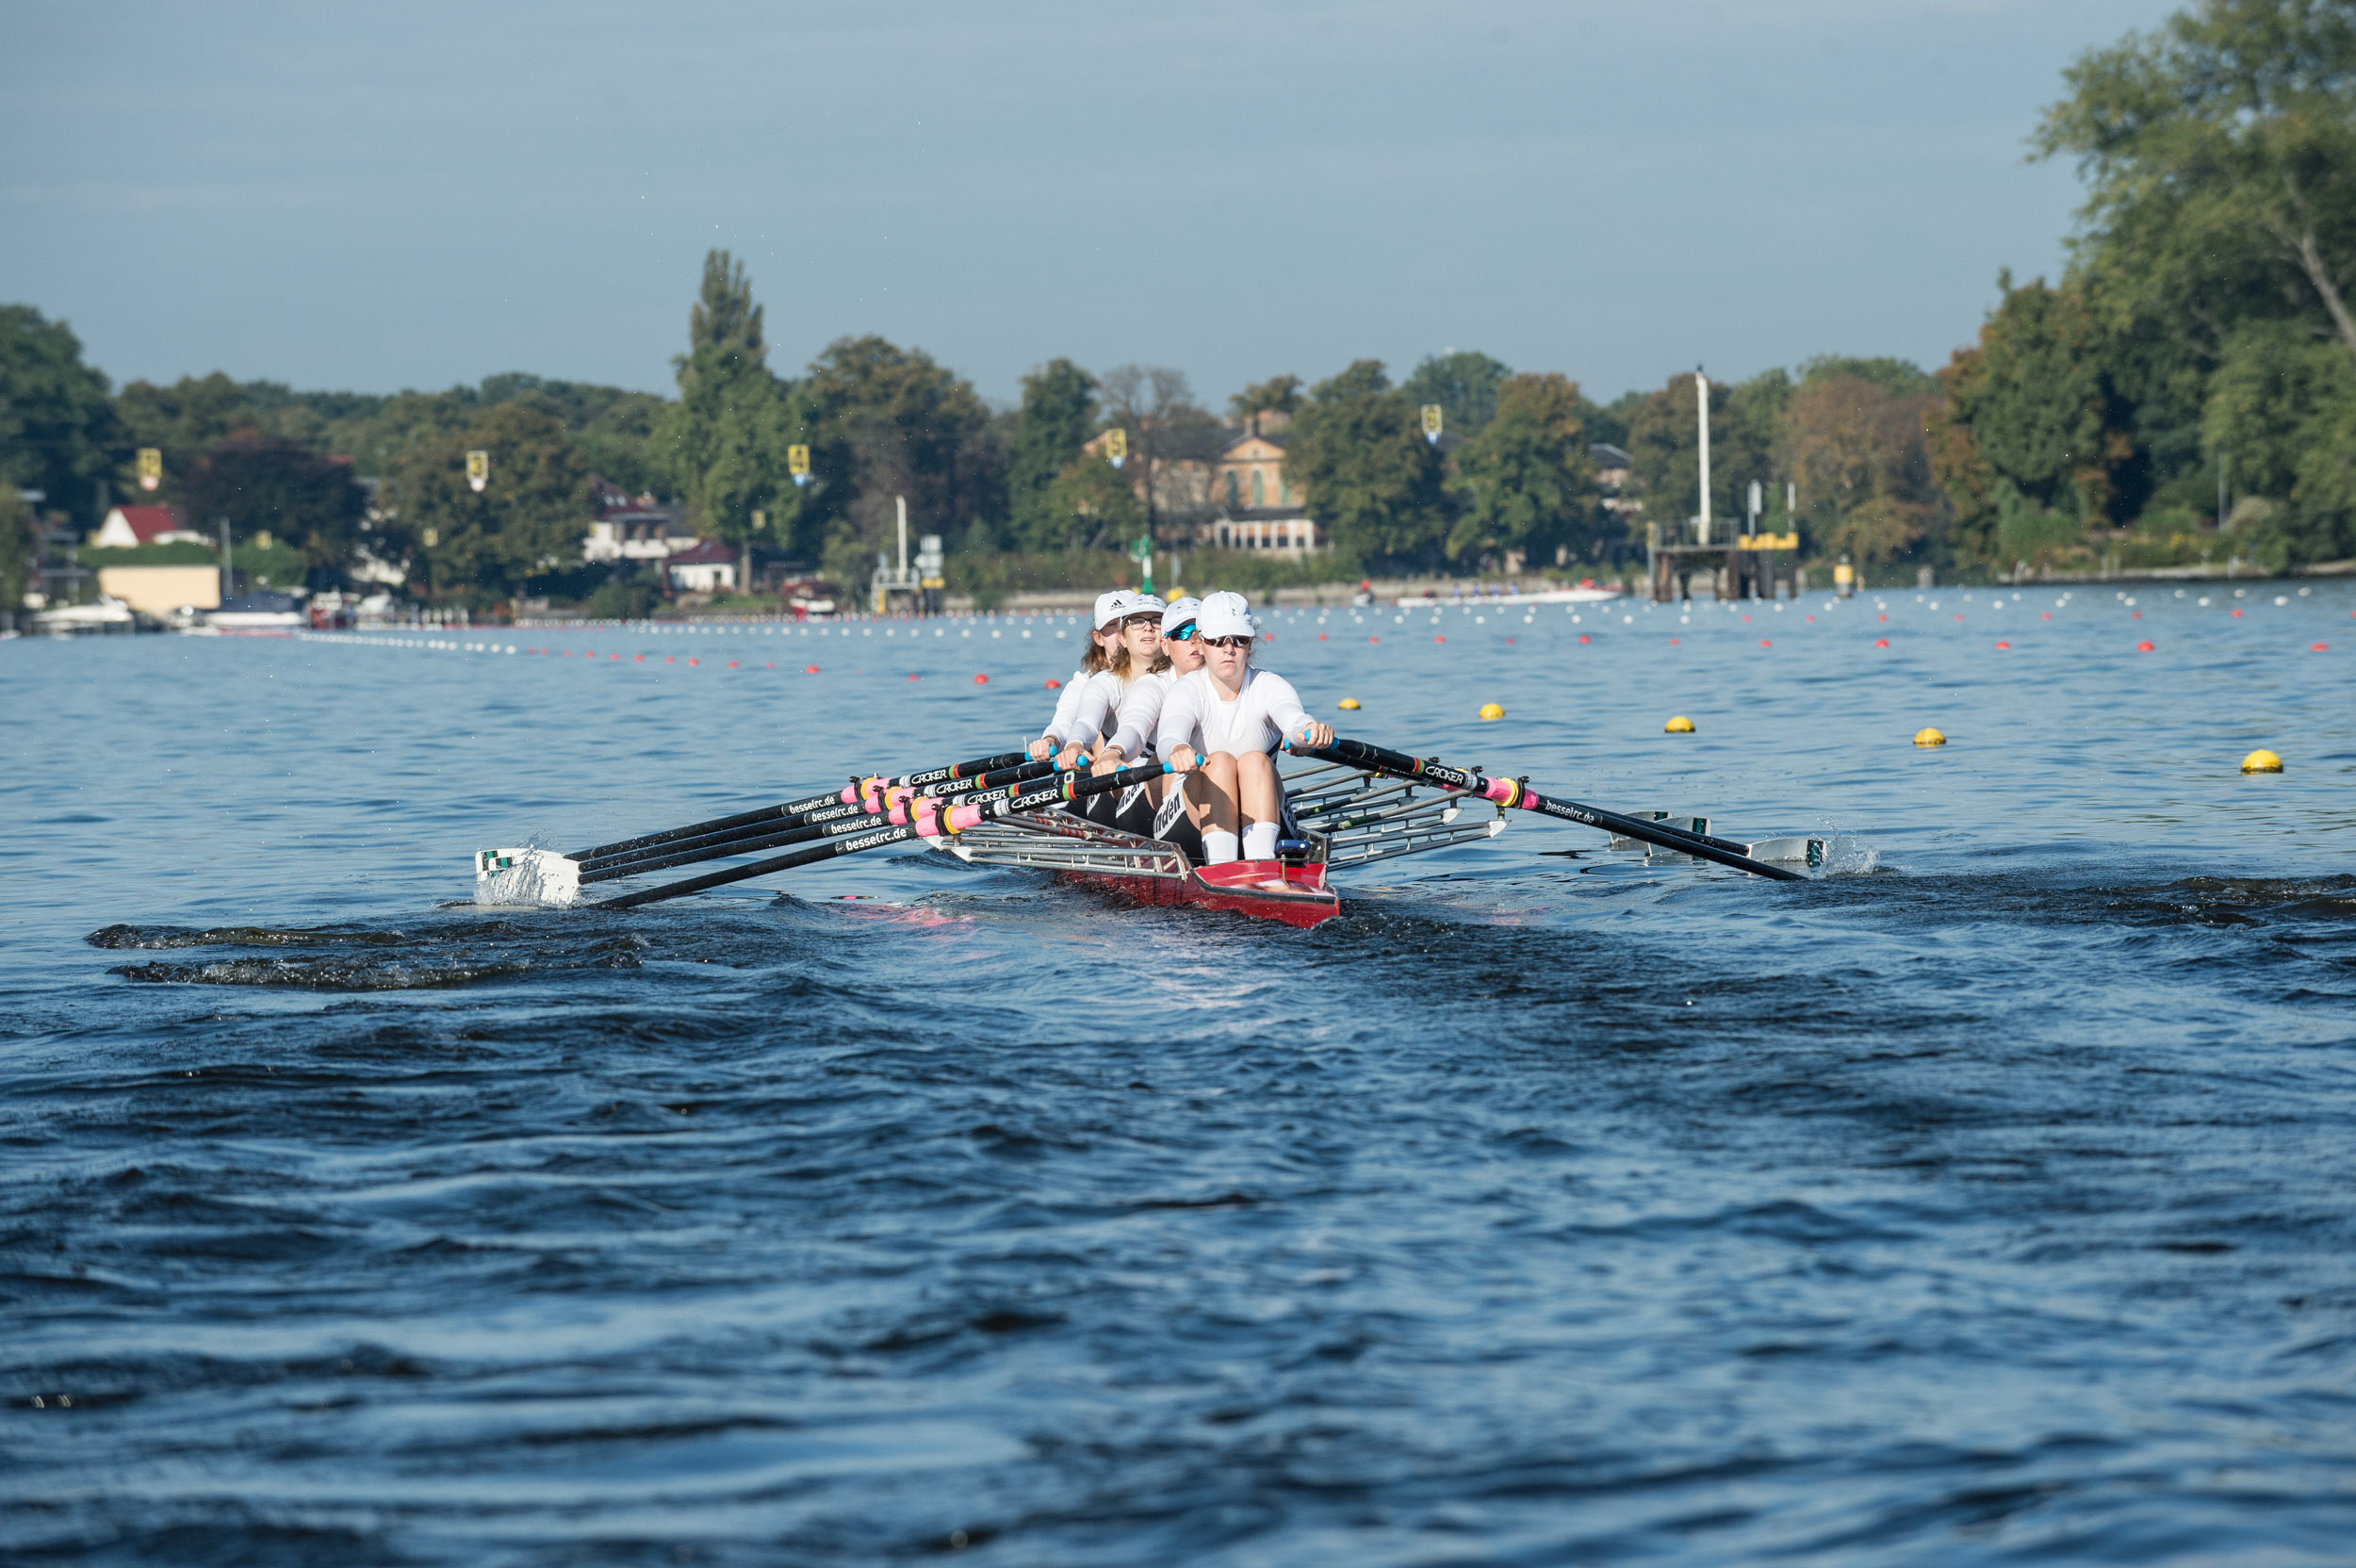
1176	682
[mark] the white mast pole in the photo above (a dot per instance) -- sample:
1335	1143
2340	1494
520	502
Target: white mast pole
1701	396
902	501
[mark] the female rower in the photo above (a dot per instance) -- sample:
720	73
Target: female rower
1220	726
1137	653
1130	728
1103	636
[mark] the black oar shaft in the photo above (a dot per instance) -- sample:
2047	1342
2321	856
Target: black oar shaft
1667	838
961	770
1384	760
795	807
702	829
717	843
1700	845
1069	787
773	831
875	839
850	820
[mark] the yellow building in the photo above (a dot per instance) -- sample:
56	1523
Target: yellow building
1255	507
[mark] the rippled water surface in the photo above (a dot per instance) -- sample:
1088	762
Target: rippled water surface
1992	1200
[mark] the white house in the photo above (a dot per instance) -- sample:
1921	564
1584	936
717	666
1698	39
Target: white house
129	526
635	527
707	567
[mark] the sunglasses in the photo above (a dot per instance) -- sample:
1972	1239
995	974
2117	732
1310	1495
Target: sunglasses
1182	632
1227	642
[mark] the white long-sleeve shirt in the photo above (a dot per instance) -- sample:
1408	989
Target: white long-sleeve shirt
1140	714
1261	717
1066	705
1091	718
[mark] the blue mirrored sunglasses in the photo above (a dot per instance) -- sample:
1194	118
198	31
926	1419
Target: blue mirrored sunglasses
1183	631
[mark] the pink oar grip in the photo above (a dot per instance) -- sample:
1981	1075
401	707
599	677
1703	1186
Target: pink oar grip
1505	792
962	817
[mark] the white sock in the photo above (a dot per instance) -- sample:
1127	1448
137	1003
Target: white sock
1259	842
1217	848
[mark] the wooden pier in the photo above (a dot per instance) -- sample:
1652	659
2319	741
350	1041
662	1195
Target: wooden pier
1743	565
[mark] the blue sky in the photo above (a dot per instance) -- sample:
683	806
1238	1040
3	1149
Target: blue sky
422	194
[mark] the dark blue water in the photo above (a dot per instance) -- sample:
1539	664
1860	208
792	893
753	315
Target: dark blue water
1994	1200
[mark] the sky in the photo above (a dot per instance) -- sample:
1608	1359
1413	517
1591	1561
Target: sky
382	197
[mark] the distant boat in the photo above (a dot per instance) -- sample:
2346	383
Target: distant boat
73	620
1586	592
265	610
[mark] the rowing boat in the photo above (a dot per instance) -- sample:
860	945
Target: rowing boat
1352	807
1586	592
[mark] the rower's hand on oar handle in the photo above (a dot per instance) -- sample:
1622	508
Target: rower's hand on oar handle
1042	748
1314	736
1184	759
1072	758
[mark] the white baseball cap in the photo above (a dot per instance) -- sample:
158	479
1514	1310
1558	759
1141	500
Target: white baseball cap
1224	616
1111	607
1178	613
1143	603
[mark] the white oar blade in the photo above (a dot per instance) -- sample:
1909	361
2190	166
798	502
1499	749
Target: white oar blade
533	878
1682	824
1795	851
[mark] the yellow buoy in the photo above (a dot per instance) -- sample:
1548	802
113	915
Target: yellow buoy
2262	760
1491	711
1347	704
1679	726
1929	737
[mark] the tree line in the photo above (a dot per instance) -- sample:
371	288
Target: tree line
2186	388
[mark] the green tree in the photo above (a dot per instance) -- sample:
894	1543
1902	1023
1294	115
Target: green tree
266	483
1900	376
1357	450
1526	480
20	547
2220	155
1665	447
2048	420
889	421
725	438
1465	384
56	423
1172	444
1093	507
2281	405
185	419
1059	418
1962	475
1858	455
1277	395
528	521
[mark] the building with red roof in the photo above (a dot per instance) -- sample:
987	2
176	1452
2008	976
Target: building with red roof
129	526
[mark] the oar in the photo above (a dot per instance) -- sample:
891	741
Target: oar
795	807
769	832
1508	791
928	820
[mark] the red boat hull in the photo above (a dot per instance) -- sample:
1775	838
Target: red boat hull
1306	900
